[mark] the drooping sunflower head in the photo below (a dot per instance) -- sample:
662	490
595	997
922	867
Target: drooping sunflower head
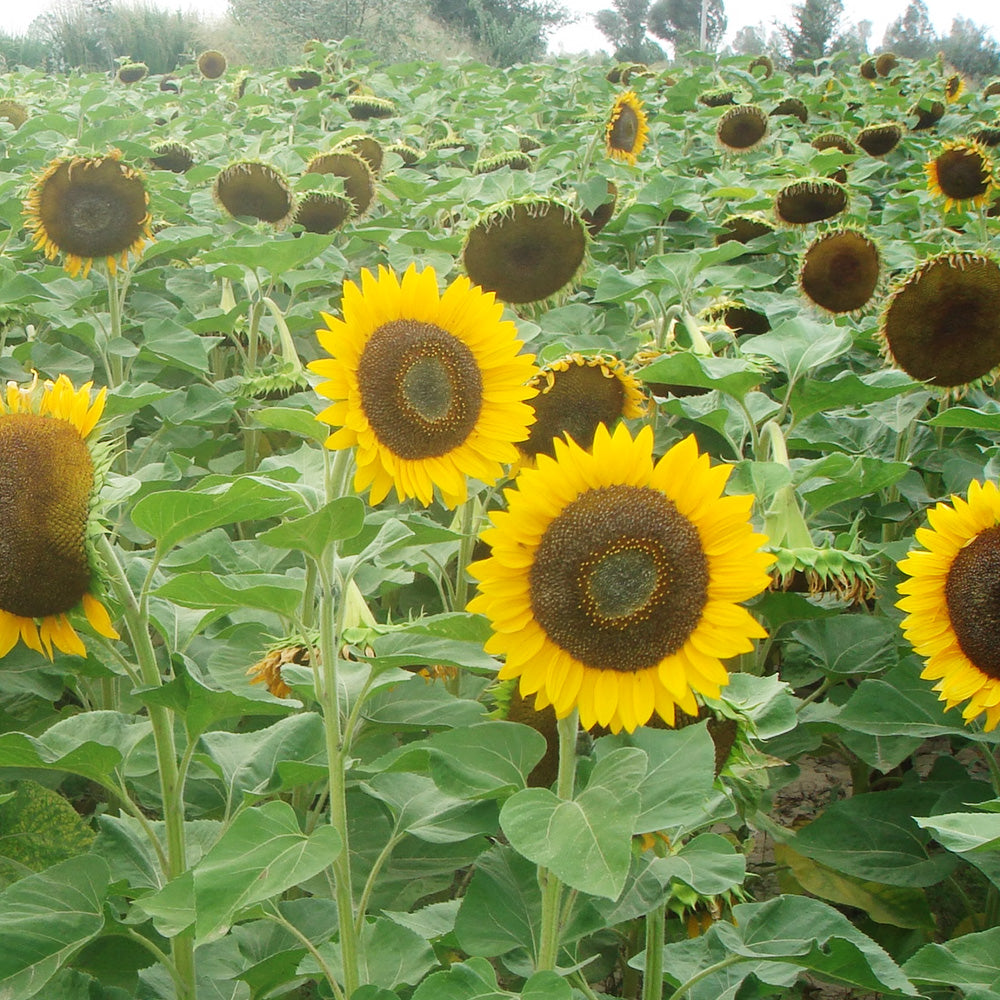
176	157
743	228
513	159
89	208
867	69
951	600
810	200
886	63
357	174
255	189
576	394
597	219
367	147
410	155
989	136
14	112
429	388
361	107
942	323
627	129
303	79
763	63
879	140
992	89
49	480
614	581
742	128
737	317
840	270
928	113
954	87
132	72
791	107
526	251
319	212
267	670
834	140
717	98
962	173
212	64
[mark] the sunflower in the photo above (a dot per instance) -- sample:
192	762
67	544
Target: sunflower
211	64
173	156
303	79
577	394
132	72
14	112
49	478
886	63
367	147
942	323
249	187
950	600
840	270
514	159
596	220
960	173
430	388
627	129
811	200
743	228
363	107
954	87
791	107
879	140
357	174
613	581
867	69
763	63
928	113
319	212
88	208
741	128
526	251
992	89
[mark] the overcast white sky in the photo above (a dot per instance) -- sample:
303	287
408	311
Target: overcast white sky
16	15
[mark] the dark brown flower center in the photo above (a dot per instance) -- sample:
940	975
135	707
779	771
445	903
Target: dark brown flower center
93	209
805	202
619	579
972	593
526	253
840	271
421	389
580	398
254	189
46	479
624	129
961	174
943	325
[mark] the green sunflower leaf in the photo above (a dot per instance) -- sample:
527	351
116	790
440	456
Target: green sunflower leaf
586	841
46	918
339	519
970	962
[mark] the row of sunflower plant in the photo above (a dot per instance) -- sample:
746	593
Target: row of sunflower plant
443	510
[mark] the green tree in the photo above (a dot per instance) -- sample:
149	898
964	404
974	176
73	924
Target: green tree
854	41
970	50
815	27
624	26
912	35
679	22
512	30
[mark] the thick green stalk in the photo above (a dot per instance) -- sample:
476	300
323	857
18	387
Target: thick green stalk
548	944
329	642
171	785
652	980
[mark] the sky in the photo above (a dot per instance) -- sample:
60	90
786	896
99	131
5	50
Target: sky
16	15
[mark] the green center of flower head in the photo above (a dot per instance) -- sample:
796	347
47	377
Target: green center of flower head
619	579
421	389
46	480
972	593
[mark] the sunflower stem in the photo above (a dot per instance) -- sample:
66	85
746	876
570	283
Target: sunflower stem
652	981
329	692
704	974
548	939
470	515
171	785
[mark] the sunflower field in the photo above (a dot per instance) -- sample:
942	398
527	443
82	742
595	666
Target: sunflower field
473	533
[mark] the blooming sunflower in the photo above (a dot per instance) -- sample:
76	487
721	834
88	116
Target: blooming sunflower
950	601
89	208
48	480
960	173
431	388
613	581
576	395
627	129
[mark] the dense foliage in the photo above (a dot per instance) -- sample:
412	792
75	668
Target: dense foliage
370	821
